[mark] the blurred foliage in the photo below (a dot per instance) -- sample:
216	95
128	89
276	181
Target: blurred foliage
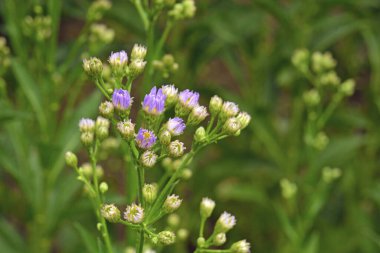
240	50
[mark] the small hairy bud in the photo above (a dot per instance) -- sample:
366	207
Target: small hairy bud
150	192
186	174
176	148
71	159
111	213
200	134
134	214
206	207
172	203
171	93
86	125
165	137
201	242
219	239
126	129
197	115
87	138
300	60
136	67
93	67
102	127
244	119
215	105
322	62
311	97
225	223
241	247
106	109
231	126
166	237
148	159
138	52
229	109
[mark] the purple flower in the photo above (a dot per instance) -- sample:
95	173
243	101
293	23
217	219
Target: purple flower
189	99
154	102
145	139
118	58
121	99
176	126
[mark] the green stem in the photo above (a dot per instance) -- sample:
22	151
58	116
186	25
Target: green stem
142	13
210	124
140	177
329	111
99	83
140	242
202	226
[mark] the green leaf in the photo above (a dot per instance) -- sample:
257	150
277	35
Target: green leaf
88	240
10	240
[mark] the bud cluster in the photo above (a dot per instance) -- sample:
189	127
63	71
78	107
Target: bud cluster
37	27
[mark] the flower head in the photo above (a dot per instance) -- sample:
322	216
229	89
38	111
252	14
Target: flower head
244	119
197	115
188	98
126	129
232	126
118	59
138	52
241	247
148	159
154	102
134	213
86	125
150	192
176	148
229	109
166	237
176	126
110	213
225	223
121	99
215	105
172	203
145	139
171	93
206	207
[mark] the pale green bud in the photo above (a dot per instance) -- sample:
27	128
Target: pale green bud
182	234
93	67
166	237
176	148
219	239
97	9
172	203
102	127
300	60
71	159
138	52
288	189
148	159
103	187
311	97
200	134
348	87
106	109
111	213
331	174
244	119
197	115
126	129
320	141
322	62
206	207
150	192
136	67
231	126
87	138
330	78
215	105
173	220
241	247
165	137
225	223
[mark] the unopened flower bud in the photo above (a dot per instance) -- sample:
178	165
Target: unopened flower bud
86	125
244	119
106	109
102	127
166	237
348	87
215	105
219	239
87	138
329	78
231	126
165	137
103	187
176	148
136	67
134	213
138	52
322	62
197	115
93	67
229	109
172	203
71	159
86	170
288	189
300	60
225	223
121	99
186	174
148	159
182	234
241	247
311	97
97	9
201	242
171	93
126	129
206	207
119	63
150	192
111	213
200	134
173	220
175	126
330	174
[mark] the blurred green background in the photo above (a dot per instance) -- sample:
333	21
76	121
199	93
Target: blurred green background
240	50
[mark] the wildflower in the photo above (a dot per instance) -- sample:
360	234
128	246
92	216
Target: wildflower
241	247
176	148
244	119
197	115
102	126
172	203
93	67
118	62
106	109
111	213
187	101
71	159
138	52
150	192
229	109
165	137
171	93
176	126
87	138
126	129
86	125
232	126
121	99
219	239
225	223
154	102
200	134
215	105
288	188
134	213
148	159
145	139
136	67
166	237
206	207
